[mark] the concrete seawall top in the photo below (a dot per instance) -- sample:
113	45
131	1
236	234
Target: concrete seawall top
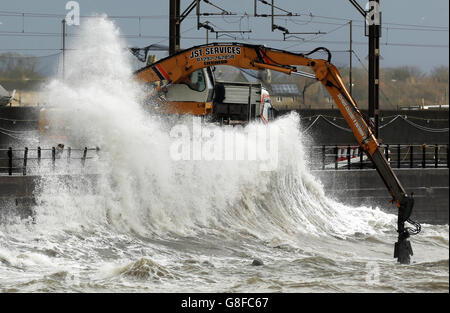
353	187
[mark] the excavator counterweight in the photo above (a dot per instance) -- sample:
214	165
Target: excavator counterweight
175	68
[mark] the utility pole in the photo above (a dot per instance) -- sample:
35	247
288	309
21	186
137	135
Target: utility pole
174	26
63	47
175	19
373	19
374	71
273	17
351	58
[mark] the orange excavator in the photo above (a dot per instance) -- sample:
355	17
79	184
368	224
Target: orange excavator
171	72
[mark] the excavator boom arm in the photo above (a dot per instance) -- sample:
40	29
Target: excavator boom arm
175	68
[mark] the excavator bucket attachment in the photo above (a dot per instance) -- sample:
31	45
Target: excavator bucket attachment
403	251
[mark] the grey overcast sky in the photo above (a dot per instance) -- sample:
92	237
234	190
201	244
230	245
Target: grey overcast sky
407	38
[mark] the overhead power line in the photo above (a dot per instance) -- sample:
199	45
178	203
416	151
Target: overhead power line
237	15
300	41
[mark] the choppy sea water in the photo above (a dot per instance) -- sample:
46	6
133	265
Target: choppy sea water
155	224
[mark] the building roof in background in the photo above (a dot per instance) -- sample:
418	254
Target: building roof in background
3	92
5	98
285	90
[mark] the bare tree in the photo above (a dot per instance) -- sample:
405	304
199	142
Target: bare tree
15	66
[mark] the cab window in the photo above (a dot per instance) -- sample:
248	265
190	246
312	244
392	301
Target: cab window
196	81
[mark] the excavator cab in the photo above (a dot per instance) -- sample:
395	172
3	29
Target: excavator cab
193	95
228	102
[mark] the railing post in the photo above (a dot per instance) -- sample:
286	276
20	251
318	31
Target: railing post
361	158
69	153
349	160
83	159
448	165
398	157
25	156
53	158
39	156
411	156
10	161
323	157
336	150
386	154
424	156
436	156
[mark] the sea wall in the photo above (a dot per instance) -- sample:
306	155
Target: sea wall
353	187
365	187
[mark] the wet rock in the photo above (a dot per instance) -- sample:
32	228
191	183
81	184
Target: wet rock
145	269
207	264
257	262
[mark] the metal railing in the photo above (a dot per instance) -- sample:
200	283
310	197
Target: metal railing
337	157
348	157
41	160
